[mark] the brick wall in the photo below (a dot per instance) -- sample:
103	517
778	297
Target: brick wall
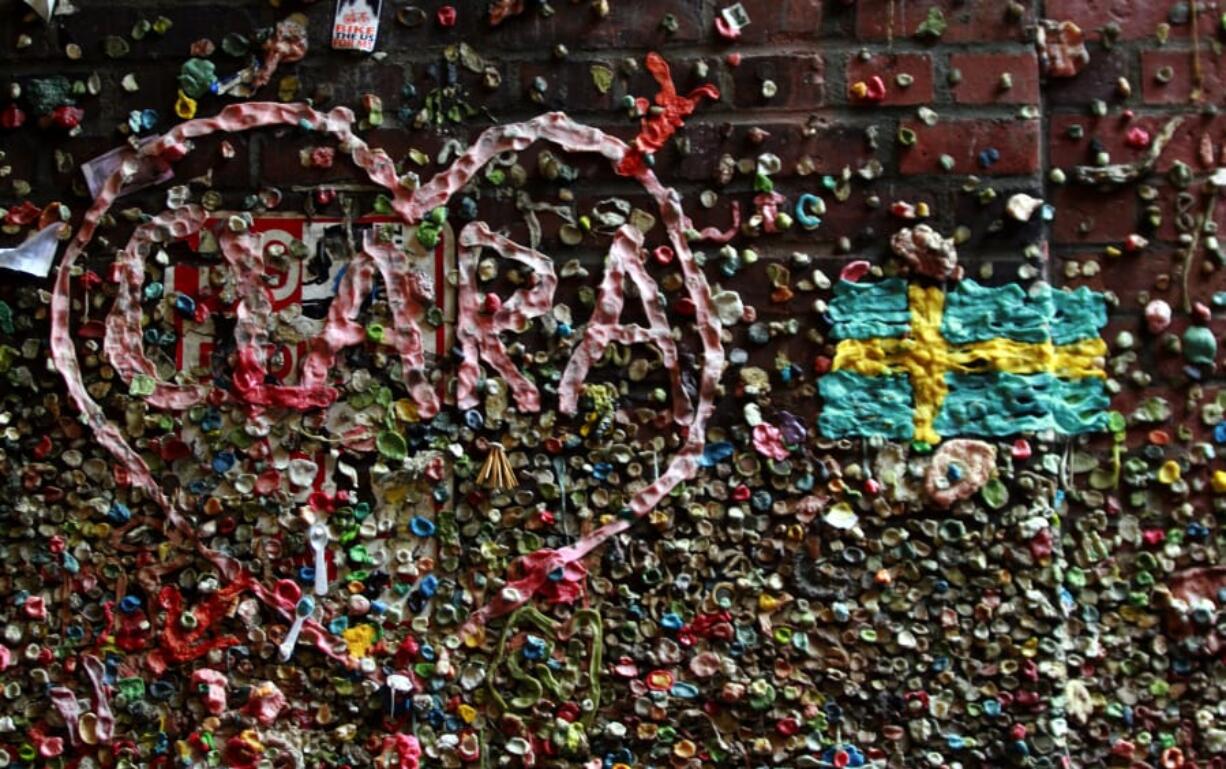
812	51
966	121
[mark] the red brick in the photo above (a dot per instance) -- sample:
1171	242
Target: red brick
206	157
800	79
1109	216
831	145
889	66
1111	133
990	229
869	226
1063	151
382	79
94	21
1129	276
280	162
1168	367
576	26
1184	412
1100	80
1186	144
1179	89
158	85
775	21
1130	398
1017	141
683	71
980	21
397	142
571	87
1170	202
719	215
981	74
28	156
1136	19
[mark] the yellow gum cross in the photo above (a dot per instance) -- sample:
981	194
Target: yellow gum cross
925	357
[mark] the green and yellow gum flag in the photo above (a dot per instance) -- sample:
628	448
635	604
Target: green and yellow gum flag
916	363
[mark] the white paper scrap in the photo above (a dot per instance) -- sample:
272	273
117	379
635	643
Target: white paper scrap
34	257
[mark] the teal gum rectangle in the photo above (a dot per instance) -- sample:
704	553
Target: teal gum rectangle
1077	315
857	405
1001	404
975	313
869	310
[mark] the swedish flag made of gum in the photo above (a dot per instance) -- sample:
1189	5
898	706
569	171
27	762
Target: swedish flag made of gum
916	363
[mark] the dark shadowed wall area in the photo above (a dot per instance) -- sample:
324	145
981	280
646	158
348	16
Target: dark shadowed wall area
611	384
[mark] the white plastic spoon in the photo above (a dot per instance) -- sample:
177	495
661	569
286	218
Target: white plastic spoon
318	537
304	609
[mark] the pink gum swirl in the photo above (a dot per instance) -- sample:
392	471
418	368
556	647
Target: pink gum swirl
64	700
124	343
172	146
253	320
411	206
406	295
538	566
625	259
477	331
96	672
